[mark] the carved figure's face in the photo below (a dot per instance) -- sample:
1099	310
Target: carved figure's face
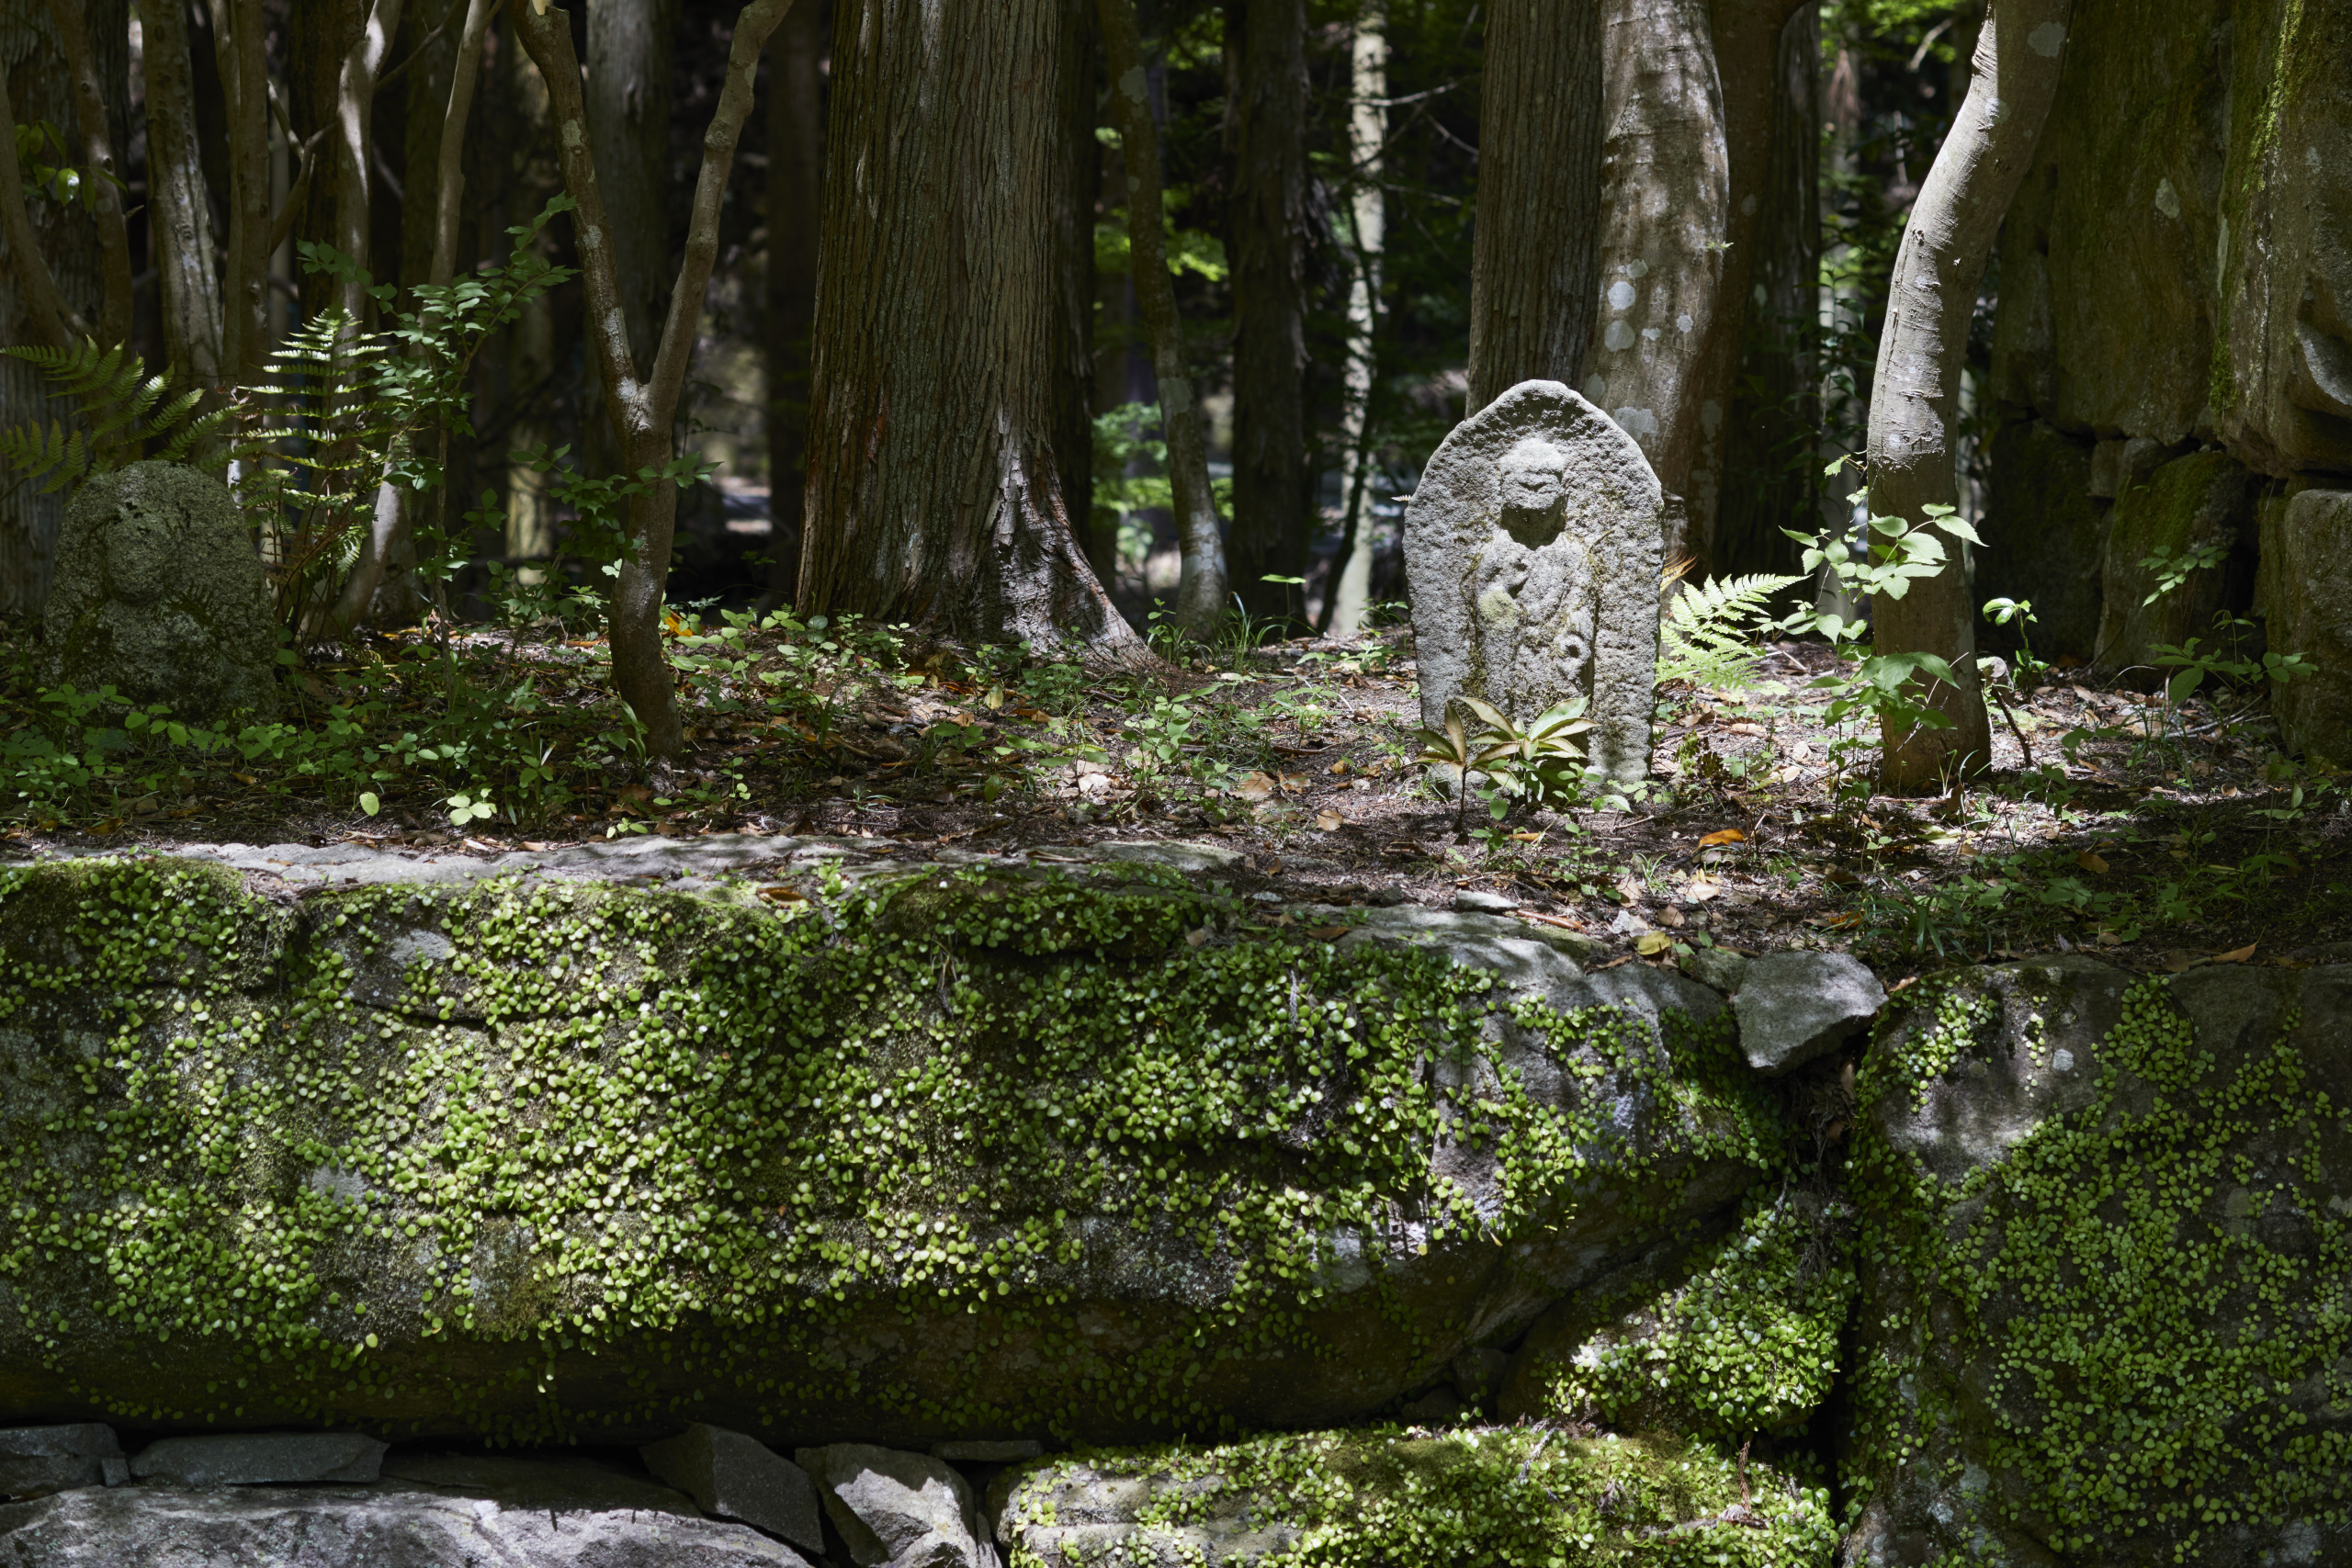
1533	476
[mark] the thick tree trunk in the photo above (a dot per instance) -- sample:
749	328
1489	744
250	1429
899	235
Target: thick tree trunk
1266	109
1665	216
932	495
189	285
1350	595
1931	295
796	215
97	146
239	50
1201	588
643	409
1536	261
1771	473
629	131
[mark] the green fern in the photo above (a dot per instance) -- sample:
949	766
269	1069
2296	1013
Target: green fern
122	408
1707	635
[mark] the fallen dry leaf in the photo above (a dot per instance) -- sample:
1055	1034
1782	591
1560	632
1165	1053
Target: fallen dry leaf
1700	888
1254	786
2236	954
1670	916
1650	944
1743	727
1327	933
1197	938
1339	767
1728	836
1296	783
1329	821
780	893
2089	860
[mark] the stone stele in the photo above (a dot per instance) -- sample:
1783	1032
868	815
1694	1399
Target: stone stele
1532	550
159	594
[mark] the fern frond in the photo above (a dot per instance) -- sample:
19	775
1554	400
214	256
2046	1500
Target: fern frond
1705	635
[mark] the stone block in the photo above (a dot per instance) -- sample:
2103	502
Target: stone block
1793	1006
737	1477
1533	546
2205	500
260	1459
897	1509
2307	572
2042	535
988	1450
37	1460
159	594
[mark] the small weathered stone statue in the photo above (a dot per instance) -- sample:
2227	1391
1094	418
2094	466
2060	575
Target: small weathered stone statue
1533	550
159	594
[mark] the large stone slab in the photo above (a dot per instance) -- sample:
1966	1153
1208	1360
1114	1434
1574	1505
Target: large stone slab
1523	1494
2044	535
899	1510
1793	1007
513	1513
259	1459
738	1477
891	1152
159	594
2305	597
2104	1244
37	1460
2203	500
1533	547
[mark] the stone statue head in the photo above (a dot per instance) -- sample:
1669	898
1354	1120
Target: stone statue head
1535	482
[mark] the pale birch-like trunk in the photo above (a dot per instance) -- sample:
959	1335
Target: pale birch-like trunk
1914	397
1531	289
1201	589
1266	110
932	495
1350	595
643	407
188	284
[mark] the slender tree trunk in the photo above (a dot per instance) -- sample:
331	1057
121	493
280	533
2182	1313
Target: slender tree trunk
1077	197
46	315
644	408
1350	595
795	213
932	495
189	287
1266	110
1537	248
1201	590
1931	296
355	147
629	129
238	42
1666	218
320	38
97	152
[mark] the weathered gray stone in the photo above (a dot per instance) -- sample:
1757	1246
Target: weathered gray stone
2102	1269
2305	598
511	1513
1484	901
1793	1006
260	1459
159	594
897	1509
37	1460
1719	968
2205	500
737	1477
1533	550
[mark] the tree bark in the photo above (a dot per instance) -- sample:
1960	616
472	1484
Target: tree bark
795	214
1666	205
1536	252
320	38
644	410
1350	595
97	151
238	43
932	495
45	312
629	131
450	192
355	147
1201	589
1077	196
1931	295
190	287
1265	43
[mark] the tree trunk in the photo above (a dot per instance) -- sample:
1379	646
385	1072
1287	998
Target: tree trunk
1266	105
1077	197
932	495
629	131
1201	589
1350	595
795	213
189	287
98	150
1666	219
355	146
1931	296
319	37
1771	470
643	409
1536	257
239	52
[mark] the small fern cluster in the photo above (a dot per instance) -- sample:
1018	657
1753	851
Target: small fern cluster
122	410
1707	636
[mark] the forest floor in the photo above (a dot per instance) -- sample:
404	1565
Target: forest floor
2156	837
